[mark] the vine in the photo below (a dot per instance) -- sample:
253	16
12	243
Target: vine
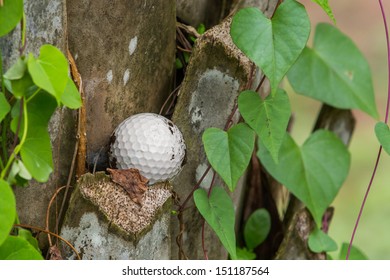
31	89
382	133
332	71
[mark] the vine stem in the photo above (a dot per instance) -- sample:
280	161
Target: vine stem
194	188
380	149
228	124
48	213
51	233
18	147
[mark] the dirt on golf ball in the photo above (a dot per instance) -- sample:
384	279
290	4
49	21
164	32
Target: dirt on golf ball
151	143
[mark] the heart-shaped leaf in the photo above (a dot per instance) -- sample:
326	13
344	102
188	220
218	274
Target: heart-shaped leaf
325	6
7	210
273	44
229	152
11	13
18	79
268	117
320	242
18	248
4	106
355	254
383	134
334	71
49	71
71	97
218	211
257	228
18	175
36	151
314	173
17	70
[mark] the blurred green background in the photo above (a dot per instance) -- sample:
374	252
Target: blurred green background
361	20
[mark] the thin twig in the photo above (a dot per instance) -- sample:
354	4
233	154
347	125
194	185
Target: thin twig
48	213
70	176
194	188
183	49
277	5
82	118
261	83
52	233
188	28
169	97
183	40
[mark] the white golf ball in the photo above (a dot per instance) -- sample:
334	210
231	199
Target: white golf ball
150	143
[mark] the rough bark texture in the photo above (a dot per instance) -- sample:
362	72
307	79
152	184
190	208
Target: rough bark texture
267	6
125	53
204	12
216	74
102	221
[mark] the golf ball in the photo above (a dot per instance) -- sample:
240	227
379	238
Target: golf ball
150	143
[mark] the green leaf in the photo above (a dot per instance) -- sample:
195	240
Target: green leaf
23	86
19	79
38	157
314	173
18	174
201	29
383	134
36	151
335	72
17	70
18	248
229	152
7	210
218	211
325	6
4	106
273	44
10	14
26	234
18	169
245	254
268	118
71	97
355	254
23	172
49	71
257	228
320	242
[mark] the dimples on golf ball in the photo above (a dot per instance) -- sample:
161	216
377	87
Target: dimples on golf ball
150	143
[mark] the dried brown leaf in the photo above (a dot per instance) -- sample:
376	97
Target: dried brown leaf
55	253
132	181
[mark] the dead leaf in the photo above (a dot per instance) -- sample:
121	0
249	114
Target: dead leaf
55	253
132	181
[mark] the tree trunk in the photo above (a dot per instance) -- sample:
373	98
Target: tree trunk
125	54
